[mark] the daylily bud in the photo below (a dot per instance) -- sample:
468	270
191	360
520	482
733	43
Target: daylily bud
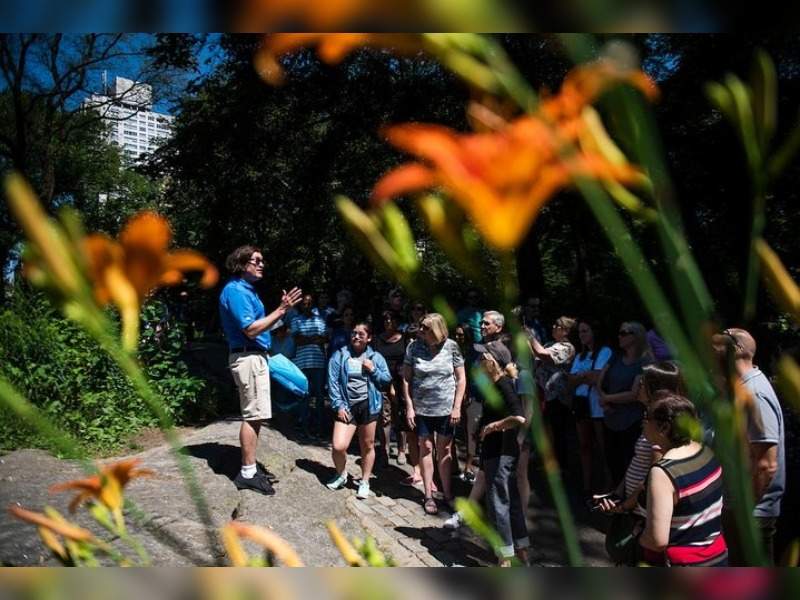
780	284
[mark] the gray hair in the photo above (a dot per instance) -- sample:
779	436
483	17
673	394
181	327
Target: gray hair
496	317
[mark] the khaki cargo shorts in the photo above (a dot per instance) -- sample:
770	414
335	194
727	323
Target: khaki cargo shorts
250	371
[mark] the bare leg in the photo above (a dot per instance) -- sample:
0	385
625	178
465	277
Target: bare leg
479	487
248	439
444	459
402	448
426	463
413	453
366	439
342	436
386	435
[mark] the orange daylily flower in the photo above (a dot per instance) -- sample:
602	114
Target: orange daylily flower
585	83
331	15
56	526
125	272
500	179
503	178
332	48
107	486
235	531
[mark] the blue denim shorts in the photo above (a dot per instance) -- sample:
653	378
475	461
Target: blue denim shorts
427	426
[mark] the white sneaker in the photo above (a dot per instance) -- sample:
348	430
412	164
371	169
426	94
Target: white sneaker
338	481
363	490
454	522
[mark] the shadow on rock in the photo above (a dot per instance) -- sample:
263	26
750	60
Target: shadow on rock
323	473
448	547
223	459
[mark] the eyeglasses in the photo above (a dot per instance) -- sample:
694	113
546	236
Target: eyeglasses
256	261
624	332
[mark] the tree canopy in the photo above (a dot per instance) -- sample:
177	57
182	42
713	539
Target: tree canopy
251	163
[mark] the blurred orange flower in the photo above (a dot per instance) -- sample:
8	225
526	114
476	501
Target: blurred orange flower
60	527
125	272
586	82
106	487
266	15
331	48
52	527
503	178
235	531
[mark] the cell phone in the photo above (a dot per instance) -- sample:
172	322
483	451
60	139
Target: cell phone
610	496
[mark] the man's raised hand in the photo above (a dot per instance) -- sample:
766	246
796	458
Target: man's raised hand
292	297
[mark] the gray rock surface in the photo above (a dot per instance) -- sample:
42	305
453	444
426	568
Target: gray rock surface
165	519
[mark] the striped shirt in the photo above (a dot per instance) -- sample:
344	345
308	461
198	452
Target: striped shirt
695	534
308	356
637	470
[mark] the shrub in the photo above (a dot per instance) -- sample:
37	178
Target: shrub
64	373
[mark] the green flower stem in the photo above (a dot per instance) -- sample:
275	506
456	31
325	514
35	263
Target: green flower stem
134	372
481	61
784	155
756	231
731	452
137	547
728	444
538	432
653	297
693	296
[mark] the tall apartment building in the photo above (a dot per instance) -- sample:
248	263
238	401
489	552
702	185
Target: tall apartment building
133	124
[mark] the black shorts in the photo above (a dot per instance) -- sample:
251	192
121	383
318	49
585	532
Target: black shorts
427	426
360	415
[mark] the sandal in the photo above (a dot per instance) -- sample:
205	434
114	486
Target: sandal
429	504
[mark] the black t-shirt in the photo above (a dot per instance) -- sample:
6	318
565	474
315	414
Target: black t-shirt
394	353
502	443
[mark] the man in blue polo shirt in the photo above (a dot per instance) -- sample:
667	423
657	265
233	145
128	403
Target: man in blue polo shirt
246	327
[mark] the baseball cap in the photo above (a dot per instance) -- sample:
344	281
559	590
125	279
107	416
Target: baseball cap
497	350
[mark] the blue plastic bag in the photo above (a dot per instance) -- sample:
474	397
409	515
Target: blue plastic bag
285	373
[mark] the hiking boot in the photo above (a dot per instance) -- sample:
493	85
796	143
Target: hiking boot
257	483
363	490
338	482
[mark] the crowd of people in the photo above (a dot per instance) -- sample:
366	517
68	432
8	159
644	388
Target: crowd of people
404	376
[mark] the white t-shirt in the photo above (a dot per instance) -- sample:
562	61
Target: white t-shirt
579	365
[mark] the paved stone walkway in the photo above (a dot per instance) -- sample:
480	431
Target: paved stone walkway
394	516
175	536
